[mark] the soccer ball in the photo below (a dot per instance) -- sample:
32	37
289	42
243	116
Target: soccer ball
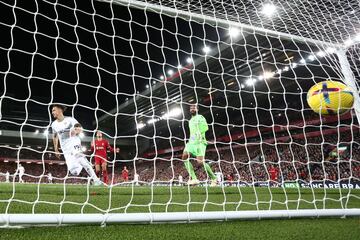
330	98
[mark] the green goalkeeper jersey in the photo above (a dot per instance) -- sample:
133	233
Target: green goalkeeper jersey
198	127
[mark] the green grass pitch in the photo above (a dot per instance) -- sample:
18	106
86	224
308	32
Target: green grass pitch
29	198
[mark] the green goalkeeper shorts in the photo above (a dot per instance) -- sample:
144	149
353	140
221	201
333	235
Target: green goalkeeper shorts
197	150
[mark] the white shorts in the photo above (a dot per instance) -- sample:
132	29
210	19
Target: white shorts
73	163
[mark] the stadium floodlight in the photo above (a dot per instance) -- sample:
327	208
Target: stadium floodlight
294	65
140	125
147	86
303	61
349	42
250	82
357	37
175	112
153	120
234	32
311	57
206	49
170	72
330	50
321	54
189	60
36	132
162	77
268	9
268	74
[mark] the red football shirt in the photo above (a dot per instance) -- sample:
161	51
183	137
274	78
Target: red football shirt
125	174
273	173
101	146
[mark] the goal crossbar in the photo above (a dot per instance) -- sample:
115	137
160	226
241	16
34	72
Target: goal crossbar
218	21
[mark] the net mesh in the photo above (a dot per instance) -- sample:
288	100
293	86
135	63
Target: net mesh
132	70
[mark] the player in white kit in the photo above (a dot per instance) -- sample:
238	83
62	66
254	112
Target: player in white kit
7	177
21	173
67	130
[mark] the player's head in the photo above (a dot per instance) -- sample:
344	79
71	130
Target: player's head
57	110
124	167
99	135
193	109
77	126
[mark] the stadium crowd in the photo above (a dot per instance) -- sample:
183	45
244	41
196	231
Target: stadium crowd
296	160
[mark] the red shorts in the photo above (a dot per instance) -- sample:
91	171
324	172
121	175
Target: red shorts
99	160
125	178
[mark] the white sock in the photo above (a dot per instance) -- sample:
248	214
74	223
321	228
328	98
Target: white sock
88	168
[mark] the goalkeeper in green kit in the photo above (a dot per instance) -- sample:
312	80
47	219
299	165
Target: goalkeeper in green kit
197	146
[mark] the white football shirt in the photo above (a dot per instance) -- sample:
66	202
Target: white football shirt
69	144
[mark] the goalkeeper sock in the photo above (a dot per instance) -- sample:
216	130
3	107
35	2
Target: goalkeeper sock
209	171
190	169
98	174
105	176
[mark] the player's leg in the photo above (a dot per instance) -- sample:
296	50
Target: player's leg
97	167
187	163
104	172
200	152
88	168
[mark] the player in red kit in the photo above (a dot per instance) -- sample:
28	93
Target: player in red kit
273	175
101	146
125	174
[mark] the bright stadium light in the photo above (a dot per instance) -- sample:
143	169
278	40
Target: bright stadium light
330	50
311	57
285	69
140	125
206	49
303	61
234	32
170	72
294	65
268	75
348	42
172	113
36	131
179	67
357	37
250	82
321	54
147	86
162	77
189	60
153	120
268	9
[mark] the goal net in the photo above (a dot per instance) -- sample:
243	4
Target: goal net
206	100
